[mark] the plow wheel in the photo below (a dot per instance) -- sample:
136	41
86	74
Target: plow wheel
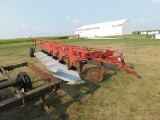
80	66
26	85
31	52
95	75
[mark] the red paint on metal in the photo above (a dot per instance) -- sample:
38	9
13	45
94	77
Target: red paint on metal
74	53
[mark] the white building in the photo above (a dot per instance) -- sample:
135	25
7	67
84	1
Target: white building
150	33
112	28
157	36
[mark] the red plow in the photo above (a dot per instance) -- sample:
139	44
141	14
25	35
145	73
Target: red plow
68	61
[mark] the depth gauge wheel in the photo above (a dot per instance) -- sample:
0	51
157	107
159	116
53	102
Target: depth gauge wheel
95	75
80	66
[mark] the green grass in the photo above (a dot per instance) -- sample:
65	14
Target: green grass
9	41
56	37
120	96
20	40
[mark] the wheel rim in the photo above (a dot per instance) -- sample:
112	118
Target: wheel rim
95	75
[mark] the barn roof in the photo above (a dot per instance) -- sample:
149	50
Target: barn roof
109	23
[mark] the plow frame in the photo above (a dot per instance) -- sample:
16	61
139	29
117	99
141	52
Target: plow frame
71	54
51	85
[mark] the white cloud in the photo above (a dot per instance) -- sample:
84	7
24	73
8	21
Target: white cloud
26	27
74	21
155	1
77	21
25	30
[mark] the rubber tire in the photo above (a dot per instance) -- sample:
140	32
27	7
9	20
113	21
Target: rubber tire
27	85
95	75
31	52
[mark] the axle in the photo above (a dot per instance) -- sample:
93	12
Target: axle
21	86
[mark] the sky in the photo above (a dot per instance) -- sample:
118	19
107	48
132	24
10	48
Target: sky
22	18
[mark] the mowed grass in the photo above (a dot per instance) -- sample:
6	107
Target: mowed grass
120	96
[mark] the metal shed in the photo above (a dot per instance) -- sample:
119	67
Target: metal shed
111	28
157	36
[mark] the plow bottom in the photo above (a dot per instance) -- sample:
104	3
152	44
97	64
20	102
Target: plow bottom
50	62
60	70
72	77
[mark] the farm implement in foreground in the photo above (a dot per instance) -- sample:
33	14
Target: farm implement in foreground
22	88
68	61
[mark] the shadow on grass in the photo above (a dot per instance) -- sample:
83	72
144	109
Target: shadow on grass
73	94
110	67
132	67
58	104
115	70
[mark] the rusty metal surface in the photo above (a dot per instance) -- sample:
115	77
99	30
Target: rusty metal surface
6	84
11	67
95	75
8	77
40	91
43	74
18	100
51	86
10	103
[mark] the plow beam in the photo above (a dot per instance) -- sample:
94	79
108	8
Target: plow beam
27	96
119	62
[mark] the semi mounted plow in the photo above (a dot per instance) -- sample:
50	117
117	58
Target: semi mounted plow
68	61
22	88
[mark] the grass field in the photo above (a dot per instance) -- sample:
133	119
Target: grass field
120	96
